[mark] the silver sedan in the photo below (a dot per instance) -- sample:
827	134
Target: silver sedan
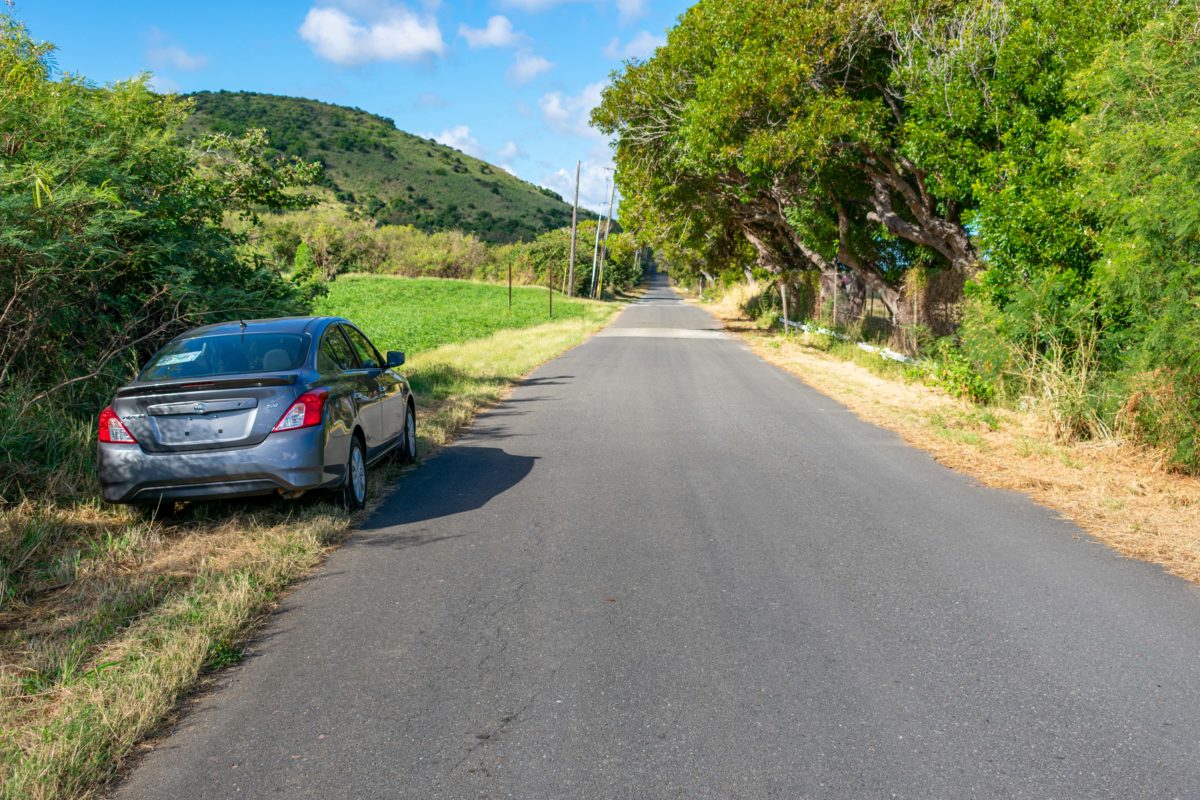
278	406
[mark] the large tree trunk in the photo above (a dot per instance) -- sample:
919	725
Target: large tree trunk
944	234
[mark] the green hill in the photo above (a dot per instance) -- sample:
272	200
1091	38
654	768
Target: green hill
392	176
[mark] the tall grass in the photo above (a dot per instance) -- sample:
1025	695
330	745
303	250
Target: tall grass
44	450
1061	381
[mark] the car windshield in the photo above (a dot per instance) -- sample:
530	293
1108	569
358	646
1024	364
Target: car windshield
226	354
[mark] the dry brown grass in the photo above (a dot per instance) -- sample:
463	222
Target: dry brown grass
1119	493
90	668
108	619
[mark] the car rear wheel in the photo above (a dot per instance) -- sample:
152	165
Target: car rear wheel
408	447
354	490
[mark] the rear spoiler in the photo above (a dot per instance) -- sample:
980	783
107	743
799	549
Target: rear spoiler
194	384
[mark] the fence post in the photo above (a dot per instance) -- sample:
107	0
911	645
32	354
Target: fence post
783	300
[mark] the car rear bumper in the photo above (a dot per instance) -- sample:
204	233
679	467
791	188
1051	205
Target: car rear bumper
283	462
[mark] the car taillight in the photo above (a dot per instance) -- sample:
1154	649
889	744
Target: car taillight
308	410
112	430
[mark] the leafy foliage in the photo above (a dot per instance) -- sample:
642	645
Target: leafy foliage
112	237
102	209
1139	160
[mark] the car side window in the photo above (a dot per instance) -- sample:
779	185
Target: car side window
368	356
335	354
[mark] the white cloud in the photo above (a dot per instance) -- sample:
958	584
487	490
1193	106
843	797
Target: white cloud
498	33
386	33
163	54
510	151
641	46
175	57
571	114
508	168
163	85
431	100
630	9
459	137
527	66
594	181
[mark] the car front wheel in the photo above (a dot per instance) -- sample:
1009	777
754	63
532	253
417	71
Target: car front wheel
354	490
408	448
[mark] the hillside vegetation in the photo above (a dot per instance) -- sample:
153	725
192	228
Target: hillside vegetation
384	173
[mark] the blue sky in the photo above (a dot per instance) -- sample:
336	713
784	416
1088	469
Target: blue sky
510	81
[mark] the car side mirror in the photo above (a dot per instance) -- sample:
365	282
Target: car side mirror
395	358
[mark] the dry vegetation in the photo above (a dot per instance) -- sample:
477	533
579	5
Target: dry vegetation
1115	490
124	615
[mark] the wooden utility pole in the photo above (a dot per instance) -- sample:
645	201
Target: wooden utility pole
596	251
574	224
607	228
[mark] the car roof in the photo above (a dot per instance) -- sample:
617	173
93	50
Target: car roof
276	325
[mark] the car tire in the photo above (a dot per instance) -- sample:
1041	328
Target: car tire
408	445
353	494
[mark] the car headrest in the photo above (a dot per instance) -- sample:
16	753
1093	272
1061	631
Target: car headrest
276	360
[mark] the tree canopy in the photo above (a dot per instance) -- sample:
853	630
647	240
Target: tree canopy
861	135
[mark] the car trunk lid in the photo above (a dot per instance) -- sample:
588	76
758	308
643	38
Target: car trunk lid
204	414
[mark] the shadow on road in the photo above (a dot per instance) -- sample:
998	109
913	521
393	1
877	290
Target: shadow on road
549	380
459	479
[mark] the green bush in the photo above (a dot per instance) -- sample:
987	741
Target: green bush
767	319
112	238
951	370
1139	159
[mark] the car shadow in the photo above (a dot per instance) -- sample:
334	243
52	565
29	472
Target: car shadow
548	380
459	479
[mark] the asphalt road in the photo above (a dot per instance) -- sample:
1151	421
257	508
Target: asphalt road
666	569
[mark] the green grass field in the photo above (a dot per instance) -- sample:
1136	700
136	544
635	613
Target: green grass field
419	314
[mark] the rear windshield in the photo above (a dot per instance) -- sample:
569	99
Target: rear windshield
227	354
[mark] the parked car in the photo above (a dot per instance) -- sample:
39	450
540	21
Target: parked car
275	406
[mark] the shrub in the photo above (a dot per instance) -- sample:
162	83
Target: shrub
951	370
103	208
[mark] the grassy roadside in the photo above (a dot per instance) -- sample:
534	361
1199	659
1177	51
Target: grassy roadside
108	619
1119	493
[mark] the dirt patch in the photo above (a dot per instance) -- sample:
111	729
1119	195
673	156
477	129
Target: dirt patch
1119	493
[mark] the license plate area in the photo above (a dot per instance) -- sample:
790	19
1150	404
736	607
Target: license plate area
200	429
